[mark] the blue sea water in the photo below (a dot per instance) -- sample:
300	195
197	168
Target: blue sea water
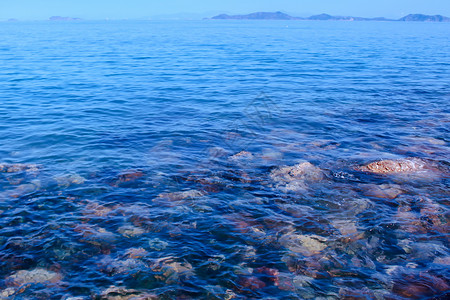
119	173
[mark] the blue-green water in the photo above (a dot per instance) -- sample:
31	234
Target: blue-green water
117	166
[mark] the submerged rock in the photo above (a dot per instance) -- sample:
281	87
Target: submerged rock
349	294
385	191
127	266
130	231
307	245
95	235
158	244
426	139
15	168
93	209
401	166
7	293
297	177
442	260
176	196
24	189
172	271
251	282
420	285
122	293
67	180
347	228
136	253
271	155
129	176
243	155
38	275
217	152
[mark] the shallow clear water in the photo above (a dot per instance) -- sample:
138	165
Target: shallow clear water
104	125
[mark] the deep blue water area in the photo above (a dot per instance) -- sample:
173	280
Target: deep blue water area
224	160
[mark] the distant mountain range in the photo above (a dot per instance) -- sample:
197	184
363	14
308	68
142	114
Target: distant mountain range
325	17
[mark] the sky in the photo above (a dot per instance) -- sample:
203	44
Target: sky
137	9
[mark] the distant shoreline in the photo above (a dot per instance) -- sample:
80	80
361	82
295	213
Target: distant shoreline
326	17
262	16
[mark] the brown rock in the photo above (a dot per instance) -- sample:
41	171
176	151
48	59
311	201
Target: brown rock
401	166
251	282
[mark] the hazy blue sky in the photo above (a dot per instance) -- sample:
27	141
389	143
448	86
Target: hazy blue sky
114	9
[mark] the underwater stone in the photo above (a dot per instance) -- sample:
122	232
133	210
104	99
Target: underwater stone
243	155
418	286
297	177
176	196
7	293
25	189
172	271
307	245
158	244
136	253
128	176
251	282
442	260
408	165
345	227
122	293
385	191
38	275
130	231
67	180
127	266
95	235
15	168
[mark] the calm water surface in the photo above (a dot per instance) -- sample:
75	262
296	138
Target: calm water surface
119	175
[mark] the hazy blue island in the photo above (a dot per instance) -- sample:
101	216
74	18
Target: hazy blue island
257	16
325	17
59	18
